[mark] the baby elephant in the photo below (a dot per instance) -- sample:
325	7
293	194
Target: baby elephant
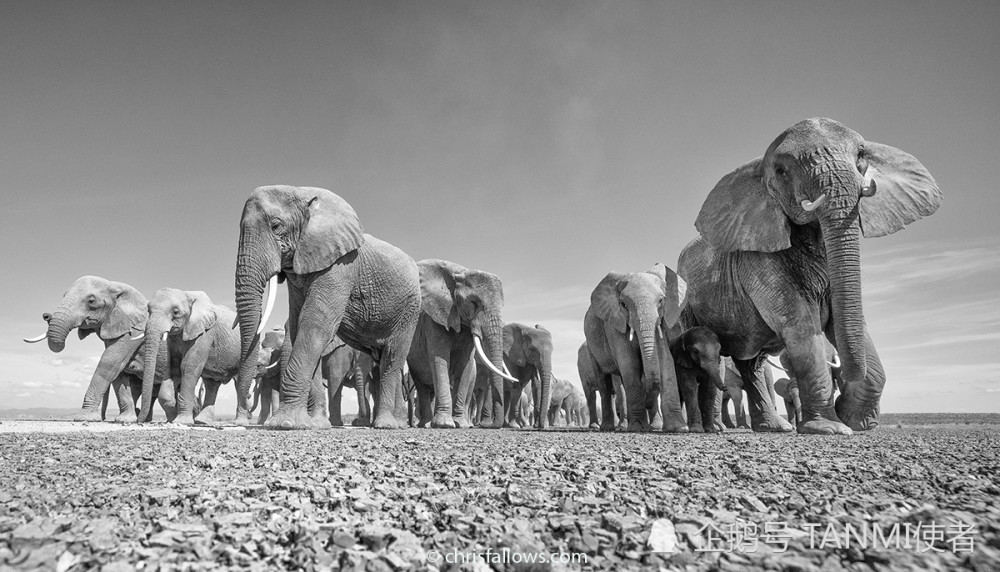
696	360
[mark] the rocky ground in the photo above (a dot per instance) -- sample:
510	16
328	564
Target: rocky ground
82	497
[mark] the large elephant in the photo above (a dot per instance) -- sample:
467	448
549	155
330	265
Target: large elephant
117	313
601	415
527	354
626	330
201	342
696	362
461	310
778	264
341	282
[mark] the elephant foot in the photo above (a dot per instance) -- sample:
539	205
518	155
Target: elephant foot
770	424
495	423
241	420
824	427
857	414
207	416
291	418
676	428
184	419
696	428
358	422
594	427
90	415
729	425
320	422
442	421
127	417
387	421
638	427
462	422
338	422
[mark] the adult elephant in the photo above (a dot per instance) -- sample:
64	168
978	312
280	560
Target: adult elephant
626	330
778	264
575	407
562	392
267	382
461	310
202	343
696	362
527	354
601	415
341	282
117	313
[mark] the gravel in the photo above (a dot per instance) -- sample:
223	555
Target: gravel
78	496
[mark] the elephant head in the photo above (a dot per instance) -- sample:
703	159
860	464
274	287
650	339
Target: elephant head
642	306
822	175
698	348
172	311
463	299
529	349
93	304
285	230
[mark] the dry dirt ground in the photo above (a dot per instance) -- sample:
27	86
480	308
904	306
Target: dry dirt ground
77	496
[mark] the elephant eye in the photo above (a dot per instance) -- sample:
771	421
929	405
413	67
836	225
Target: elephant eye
862	161
276	224
780	170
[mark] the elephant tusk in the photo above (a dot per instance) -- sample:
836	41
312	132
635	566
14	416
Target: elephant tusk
272	293
271	366
482	356
631	333
776	365
836	361
810	206
139	336
507	371
659	330
36	339
164	336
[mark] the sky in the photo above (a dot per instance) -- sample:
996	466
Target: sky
546	142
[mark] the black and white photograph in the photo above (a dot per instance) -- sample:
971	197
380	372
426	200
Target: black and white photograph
500	285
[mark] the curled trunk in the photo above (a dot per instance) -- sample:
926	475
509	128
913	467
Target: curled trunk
60	325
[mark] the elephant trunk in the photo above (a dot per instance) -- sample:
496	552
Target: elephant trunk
252	272
841	235
650	356
491	332
155	332
545	391
60	325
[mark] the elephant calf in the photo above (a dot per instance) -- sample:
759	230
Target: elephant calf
697	361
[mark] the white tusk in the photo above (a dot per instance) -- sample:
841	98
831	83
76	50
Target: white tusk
776	365
482	356
631	333
505	370
836	361
36	340
139	336
659	330
272	365
164	336
809	206
272	293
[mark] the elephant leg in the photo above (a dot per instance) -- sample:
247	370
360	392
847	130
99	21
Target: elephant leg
620	409
688	382
709	399
513	406
316	403
741	411
466	382
727	419
390	389
763	417
167	399
207	414
364	418
806	356
591	396
124	395
858	405
790	412
425	398
608	394
334	393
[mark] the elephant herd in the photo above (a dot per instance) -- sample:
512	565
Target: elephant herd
776	270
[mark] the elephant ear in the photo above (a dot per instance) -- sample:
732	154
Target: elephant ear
604	300
781	387
904	191
201	318
438	279
675	295
680	352
513	340
130	312
330	231
740	214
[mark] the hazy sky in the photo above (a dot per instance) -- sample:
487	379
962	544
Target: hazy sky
547	142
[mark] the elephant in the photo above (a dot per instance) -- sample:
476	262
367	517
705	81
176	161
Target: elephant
461	310
777	265
117	313
593	386
734	388
347	367
268	379
562	390
201	342
696	362
575	407
788	388
527	355
341	282
626	329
